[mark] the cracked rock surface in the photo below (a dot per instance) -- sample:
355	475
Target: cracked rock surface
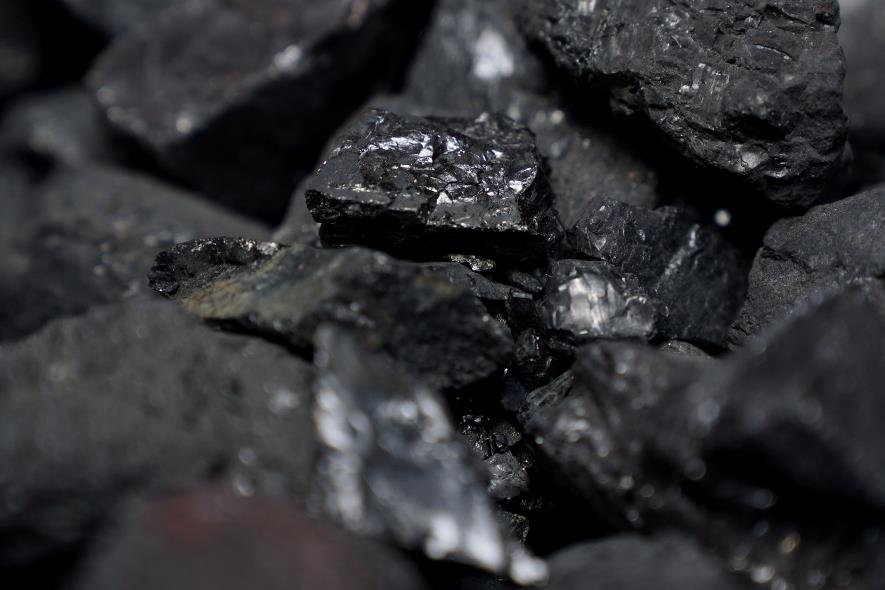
752	90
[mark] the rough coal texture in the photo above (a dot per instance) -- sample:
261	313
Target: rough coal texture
438	330
632	562
749	89
731	450
804	258
213	539
90	238
112	17
473	59
406	182
138	399
61	126
238	97
695	275
393	465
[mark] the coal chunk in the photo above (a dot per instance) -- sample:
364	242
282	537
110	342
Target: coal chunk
392	463
730	450
436	184
138	399
238	97
632	562
696	276
211	538
59	126
439	330
89	235
753	91
473	59
113	17
805	258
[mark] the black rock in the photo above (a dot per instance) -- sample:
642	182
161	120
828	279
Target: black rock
89	236
20	53
697	278
632	562
238	97
496	442
753	91
436	185
393	465
60	126
298	225
113	17
473	59
133	400
437	329
804	258
862	35
731	450
213	539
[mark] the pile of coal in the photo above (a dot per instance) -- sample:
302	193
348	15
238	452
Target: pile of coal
444	295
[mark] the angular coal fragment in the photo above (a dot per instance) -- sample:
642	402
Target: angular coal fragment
753	91
89	237
495	441
804	258
58	126
20	54
437	329
138	399
113	17
632	562
436	185
238	97
696	276
473	59
211	538
588	300
393	465
731	450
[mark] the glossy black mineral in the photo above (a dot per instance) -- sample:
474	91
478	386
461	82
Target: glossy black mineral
284	292
238	97
749	89
459	186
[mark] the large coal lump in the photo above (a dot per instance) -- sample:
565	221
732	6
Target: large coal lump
393	465
730	450
695	275
749	89
804	258
213	539
133	400
238	97
90	236
475	186
437	329
632	562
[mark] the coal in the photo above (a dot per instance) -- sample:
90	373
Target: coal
59	126
804	258
211	538
751	92
237	98
90	237
688	268
438	330
393	465
473	59
406	183
113	17
134	400
632	562
730	450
